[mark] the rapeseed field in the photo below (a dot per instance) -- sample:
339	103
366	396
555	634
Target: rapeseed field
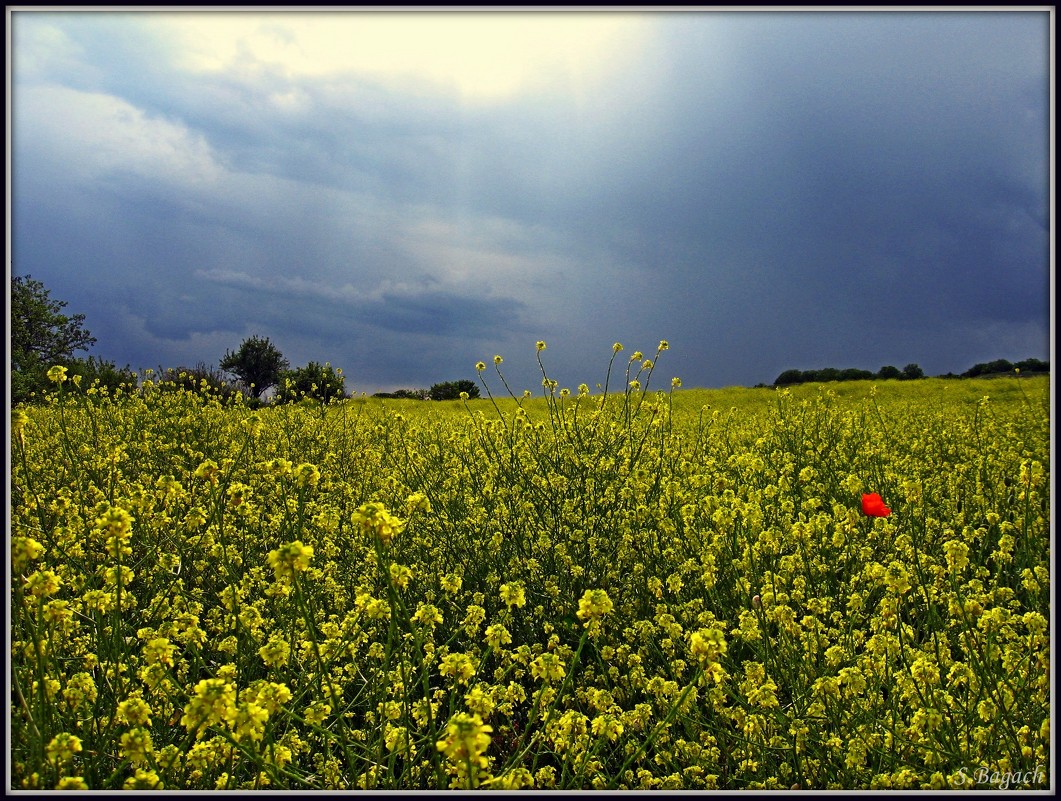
840	586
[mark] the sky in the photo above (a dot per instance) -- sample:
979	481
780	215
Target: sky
405	193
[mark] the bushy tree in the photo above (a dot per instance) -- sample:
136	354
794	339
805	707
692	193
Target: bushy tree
201	379
316	381
789	377
257	364
987	368
451	390
41	336
102	374
1032	366
912	371
888	371
405	394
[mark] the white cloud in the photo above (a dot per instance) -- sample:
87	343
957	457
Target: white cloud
90	135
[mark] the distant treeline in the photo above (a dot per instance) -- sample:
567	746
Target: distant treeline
445	390
908	373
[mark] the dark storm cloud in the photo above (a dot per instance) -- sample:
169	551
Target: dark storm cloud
765	190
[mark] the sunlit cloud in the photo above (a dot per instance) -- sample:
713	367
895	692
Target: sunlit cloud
480	56
113	136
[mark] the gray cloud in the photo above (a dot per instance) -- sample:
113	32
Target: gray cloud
765	190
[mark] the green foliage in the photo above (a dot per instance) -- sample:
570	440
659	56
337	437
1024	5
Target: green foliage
257	364
451	390
832	374
405	394
102	374
315	381
41	336
200	378
986	368
1003	367
911	372
1032	366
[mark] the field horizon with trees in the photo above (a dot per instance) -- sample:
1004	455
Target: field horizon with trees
43	336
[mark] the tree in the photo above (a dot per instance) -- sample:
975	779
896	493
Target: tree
316	381
200	379
451	390
257	363
103	375
405	394
912	371
789	377
888	371
1032	366
41	336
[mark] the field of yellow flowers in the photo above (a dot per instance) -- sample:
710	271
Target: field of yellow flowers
842	586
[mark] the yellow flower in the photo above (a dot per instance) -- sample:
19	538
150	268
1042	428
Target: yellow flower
467	737
513	594
459	665
57	374
290	559
480	366
540	345
497	360
618	346
276	652
317	713
137	745
143	780
374	518
497	635
548	668
400	575
663	344
80	690
307	475
208	470
19	420
71	783
214	703
417	502
607	725
63	747
428	615
24	550
134	711
708	645
43	583
397	739
479	700
249	723
594	605
115	525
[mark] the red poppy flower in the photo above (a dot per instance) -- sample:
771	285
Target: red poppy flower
873	505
